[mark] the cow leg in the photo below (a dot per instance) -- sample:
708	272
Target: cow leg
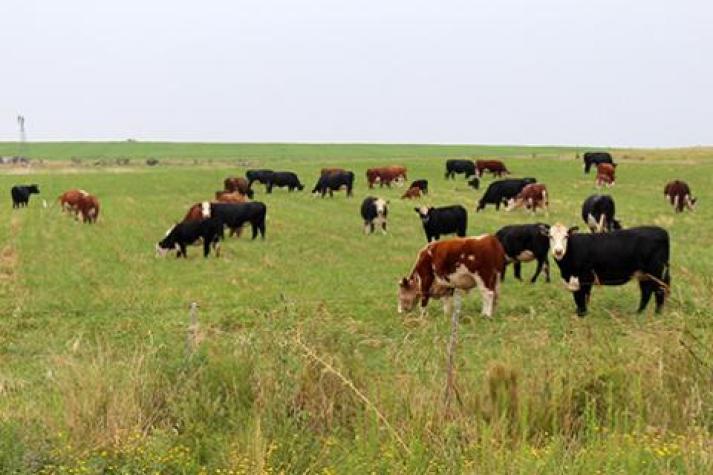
216	246
383	227
206	246
675	203
517	266
547	269
447	305
182	251
371	227
647	288
254	228
488	296
580	299
540	265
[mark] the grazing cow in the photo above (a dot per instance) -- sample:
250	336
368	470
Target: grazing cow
333	182
443	220
598	212
421	185
329	171
263	176
385	175
501	191
605	175
457	264
285	179
524	243
678	193
474	183
230	197
21	194
533	196
187	233
496	167
453	167
374	212
595	158
238	184
612	259
80	203
412	193
232	215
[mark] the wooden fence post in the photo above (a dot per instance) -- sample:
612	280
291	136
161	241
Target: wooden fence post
192	331
450	379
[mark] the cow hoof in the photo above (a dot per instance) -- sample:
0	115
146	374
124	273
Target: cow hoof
581	313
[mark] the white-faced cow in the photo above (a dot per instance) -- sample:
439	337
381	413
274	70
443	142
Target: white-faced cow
678	193
457	264
524	243
374	211
443	220
598	212
186	233
612	259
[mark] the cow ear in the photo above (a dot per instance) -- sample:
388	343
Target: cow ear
573	230
388	201
544	229
403	282
418	210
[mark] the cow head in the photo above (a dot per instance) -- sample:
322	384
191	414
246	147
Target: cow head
691	202
381	206
474	183
165	245
408	294
33	189
559	235
424	213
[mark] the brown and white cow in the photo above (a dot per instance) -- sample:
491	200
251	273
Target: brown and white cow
412	193
605	175
496	167
230	197
678	193
386	175
80	204
533	196
457	264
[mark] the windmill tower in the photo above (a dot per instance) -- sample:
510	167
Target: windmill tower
23	136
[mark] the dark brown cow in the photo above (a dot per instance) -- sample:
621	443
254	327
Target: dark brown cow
533	196
385	175
678	193
457	264
80	203
239	184
605	175
329	171
230	197
412	193
496	167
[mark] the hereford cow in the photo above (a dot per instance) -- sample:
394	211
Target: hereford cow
385	175
612	259
533	196
454	167
443	220
230	197
524	243
190	232
605	175
21	194
238	184
598	212
595	158
80	204
496	167
412	193
374	212
678	193
502	191
457	264
334	182
421	185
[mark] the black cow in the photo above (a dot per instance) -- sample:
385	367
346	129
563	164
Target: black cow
234	215
443	220
474	183
183	234
524	243
333	182
263	176
598	212
459	166
374	212
21	194
499	192
421	185
284	179
613	259
595	158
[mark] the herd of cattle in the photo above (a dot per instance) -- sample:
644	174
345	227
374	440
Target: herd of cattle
610	255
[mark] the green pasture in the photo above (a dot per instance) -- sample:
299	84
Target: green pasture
300	362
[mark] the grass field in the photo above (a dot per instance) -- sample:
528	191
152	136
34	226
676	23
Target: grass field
301	363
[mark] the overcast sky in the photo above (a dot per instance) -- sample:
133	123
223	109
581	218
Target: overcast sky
609	72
